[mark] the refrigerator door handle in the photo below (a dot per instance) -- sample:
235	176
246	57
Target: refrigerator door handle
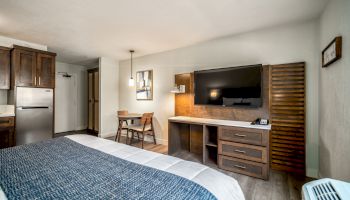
33	107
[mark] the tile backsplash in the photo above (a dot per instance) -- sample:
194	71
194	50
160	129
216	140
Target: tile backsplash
7	109
3	97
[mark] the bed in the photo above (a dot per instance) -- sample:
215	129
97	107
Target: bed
172	178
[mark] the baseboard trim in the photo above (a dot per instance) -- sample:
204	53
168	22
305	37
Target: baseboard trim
106	135
313	173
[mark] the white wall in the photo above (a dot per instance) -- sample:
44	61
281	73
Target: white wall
9	42
109	96
335	95
283	44
79	108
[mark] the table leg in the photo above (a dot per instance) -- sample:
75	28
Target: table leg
119	131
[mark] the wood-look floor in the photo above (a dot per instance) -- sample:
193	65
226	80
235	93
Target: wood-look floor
280	186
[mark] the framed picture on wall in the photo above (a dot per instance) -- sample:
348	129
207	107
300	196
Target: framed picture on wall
332	52
144	85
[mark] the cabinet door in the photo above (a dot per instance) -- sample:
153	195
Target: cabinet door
45	71
7	137
24	63
5	68
7	133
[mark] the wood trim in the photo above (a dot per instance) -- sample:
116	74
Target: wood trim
34	50
5	48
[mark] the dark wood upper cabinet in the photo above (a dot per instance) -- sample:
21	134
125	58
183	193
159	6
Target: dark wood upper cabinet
45	70
24	68
32	68
5	58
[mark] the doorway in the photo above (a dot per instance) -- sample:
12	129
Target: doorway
66	107
93	99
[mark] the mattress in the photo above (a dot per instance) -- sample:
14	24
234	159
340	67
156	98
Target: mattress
219	184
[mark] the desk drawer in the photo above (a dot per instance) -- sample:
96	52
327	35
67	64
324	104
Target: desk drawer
244	151
7	122
249	168
244	135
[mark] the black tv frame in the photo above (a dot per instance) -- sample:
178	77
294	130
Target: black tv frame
233	106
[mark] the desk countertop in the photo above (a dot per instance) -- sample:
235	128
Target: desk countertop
219	122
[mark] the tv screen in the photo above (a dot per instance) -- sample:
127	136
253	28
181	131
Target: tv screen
233	86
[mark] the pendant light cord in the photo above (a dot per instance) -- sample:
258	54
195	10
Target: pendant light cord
131	52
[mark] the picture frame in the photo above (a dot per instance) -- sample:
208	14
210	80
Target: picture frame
144	85
332	52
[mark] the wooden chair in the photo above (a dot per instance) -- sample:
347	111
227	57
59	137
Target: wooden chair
144	128
121	124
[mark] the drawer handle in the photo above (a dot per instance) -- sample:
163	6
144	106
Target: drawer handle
239	151
239	166
5	122
239	135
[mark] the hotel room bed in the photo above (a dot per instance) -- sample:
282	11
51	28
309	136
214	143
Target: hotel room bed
216	183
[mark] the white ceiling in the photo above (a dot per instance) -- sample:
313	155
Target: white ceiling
82	30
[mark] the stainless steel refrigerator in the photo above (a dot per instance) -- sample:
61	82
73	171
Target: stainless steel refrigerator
34	115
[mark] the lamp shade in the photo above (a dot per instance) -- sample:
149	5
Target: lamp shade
131	82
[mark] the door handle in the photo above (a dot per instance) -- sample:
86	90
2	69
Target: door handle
34	107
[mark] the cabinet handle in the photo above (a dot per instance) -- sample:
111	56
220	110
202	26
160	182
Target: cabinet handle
39	80
239	151
239	135
34	80
5	122
239	166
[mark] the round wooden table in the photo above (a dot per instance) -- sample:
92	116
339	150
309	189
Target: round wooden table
121	119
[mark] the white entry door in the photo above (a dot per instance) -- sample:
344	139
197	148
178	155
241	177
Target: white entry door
66	108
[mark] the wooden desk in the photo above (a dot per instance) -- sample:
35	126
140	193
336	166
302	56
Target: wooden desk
232	145
122	118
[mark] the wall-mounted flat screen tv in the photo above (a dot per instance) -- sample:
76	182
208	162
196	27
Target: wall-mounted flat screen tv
232	86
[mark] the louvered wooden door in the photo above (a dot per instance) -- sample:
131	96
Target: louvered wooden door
287	115
93	94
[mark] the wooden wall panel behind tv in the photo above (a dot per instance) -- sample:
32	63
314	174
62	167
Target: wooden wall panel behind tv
287	115
184	103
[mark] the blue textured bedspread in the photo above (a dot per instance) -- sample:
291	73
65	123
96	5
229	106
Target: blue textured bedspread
63	169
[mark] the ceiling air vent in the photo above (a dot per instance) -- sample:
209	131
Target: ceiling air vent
325	191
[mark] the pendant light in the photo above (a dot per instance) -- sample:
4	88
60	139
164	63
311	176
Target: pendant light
131	80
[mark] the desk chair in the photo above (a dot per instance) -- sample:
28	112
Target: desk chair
144	128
